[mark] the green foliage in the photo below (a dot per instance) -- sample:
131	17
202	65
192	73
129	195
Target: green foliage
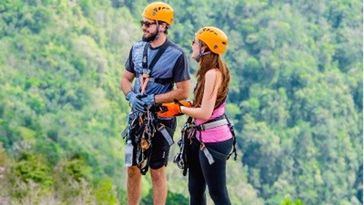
177	199
104	192
77	170
28	171
288	201
32	168
295	98
172	198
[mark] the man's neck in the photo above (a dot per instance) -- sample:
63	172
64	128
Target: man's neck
158	42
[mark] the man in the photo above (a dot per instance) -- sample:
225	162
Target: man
157	65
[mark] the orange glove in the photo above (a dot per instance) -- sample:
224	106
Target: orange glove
172	109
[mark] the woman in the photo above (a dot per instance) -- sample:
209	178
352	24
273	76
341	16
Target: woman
209	105
213	138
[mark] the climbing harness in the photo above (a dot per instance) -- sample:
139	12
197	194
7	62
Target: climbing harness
145	76
188	134
142	127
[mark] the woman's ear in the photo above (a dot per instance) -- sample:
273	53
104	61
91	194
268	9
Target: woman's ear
203	48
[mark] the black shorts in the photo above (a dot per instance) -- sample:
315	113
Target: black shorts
160	147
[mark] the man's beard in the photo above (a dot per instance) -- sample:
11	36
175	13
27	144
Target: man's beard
150	38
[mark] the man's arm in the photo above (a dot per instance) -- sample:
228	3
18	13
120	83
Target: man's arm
126	81
180	92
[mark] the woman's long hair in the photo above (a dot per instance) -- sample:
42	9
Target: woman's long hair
208	62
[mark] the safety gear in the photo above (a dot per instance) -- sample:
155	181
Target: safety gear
172	109
189	132
135	102
215	39
198	57
159	11
148	100
145	76
141	128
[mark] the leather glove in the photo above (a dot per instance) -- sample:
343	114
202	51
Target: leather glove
148	100
172	109
135	102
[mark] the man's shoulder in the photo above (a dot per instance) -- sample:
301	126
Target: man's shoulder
176	48
138	44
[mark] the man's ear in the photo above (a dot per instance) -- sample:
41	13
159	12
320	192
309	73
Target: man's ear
162	27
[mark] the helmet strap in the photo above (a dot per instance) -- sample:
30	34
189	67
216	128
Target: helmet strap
202	53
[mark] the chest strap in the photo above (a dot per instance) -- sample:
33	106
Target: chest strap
163	81
148	69
145	75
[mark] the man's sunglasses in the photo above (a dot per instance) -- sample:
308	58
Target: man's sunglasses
147	23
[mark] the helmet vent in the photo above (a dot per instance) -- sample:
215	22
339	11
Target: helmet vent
209	30
155	10
163	8
159	11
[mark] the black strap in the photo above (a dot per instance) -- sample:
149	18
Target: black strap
231	126
144	169
217	154
186	147
163	81
156	57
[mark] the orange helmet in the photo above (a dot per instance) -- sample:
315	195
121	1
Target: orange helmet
214	38
159	11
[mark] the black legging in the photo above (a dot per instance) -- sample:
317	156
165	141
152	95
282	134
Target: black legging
201	172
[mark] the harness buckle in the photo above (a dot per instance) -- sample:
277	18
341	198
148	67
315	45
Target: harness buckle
146	73
144	144
162	129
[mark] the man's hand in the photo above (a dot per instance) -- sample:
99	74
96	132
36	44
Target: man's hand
172	109
135	102
148	100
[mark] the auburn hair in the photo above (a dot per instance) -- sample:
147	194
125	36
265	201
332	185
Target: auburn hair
208	62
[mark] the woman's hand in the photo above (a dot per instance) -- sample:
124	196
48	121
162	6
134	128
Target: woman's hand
172	109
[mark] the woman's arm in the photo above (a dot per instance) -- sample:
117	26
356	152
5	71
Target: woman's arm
212	84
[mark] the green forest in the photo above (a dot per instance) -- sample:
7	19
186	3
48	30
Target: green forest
296	99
